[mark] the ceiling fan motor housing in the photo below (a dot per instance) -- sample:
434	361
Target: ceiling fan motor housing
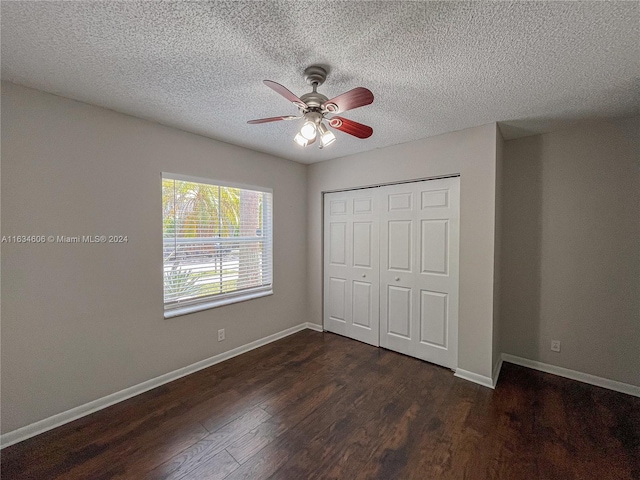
314	117
315	74
314	100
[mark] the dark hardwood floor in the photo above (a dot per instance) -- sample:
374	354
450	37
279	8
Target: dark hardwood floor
317	405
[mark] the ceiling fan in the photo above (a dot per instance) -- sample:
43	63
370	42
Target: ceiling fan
314	108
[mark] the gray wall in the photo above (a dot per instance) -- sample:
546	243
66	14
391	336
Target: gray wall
571	249
472	154
82	321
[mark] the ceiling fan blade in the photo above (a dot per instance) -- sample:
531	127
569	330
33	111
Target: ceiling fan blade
358	97
285	92
352	128
272	119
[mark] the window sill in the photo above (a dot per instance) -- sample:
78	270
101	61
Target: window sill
198	307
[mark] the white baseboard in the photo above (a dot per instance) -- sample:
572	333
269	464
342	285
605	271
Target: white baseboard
496	371
481	379
474	377
573	375
75	413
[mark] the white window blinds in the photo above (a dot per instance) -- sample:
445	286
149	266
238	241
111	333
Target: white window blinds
217	243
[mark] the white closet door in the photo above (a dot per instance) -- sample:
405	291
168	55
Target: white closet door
351	264
419	271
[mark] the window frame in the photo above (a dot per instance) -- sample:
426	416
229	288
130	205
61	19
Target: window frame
221	299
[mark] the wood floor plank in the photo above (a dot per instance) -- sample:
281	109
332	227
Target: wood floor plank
384	455
135	454
217	468
207	449
251	443
257	388
349	414
376	429
357	425
317	405
271	458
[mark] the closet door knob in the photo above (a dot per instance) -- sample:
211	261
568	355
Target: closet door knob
397	279
363	275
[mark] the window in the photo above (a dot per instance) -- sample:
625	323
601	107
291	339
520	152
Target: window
217	243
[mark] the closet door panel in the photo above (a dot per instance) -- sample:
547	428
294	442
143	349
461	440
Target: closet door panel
419	246
351	259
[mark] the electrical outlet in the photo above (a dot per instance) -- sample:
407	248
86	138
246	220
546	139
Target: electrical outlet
221	334
555	345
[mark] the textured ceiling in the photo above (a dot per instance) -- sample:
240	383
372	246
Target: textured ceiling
433	67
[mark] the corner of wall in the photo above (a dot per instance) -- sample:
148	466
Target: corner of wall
307	252
496	347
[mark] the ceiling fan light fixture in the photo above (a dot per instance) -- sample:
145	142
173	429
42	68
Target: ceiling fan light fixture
308	130
300	140
326	136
